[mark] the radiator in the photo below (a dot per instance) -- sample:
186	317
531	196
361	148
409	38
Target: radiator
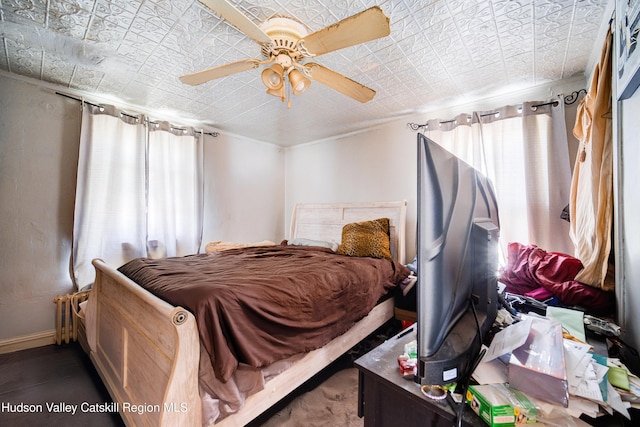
68	315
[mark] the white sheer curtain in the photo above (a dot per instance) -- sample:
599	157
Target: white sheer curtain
175	191
138	192
109	220
524	151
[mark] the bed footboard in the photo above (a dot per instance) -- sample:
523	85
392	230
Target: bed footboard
146	352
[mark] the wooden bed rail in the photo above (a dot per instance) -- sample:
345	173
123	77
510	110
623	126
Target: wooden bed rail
146	351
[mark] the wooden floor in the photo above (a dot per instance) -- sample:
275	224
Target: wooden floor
55	375
52	375
65	375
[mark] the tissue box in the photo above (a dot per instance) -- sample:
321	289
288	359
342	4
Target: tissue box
537	368
500	406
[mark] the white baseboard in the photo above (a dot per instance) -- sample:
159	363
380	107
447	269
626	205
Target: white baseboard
24	342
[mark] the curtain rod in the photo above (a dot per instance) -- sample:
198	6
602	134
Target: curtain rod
568	100
214	134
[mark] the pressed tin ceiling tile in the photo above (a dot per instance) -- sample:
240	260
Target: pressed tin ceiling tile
136	50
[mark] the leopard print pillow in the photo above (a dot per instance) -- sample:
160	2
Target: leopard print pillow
366	239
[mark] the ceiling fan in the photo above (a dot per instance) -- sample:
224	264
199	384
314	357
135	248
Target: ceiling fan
286	44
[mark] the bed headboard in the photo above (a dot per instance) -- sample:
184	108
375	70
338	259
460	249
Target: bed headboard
324	221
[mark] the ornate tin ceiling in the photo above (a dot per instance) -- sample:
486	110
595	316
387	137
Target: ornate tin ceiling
133	52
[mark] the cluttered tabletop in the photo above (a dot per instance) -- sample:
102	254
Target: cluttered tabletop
540	364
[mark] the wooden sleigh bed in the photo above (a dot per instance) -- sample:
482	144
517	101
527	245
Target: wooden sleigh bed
147	351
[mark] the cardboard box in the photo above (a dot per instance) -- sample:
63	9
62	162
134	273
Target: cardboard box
501	406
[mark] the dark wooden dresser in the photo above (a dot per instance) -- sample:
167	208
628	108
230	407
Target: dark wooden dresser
387	399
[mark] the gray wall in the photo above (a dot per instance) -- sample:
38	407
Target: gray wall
39	134
246	182
39	138
380	163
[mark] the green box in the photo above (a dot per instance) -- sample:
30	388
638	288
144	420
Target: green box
500	406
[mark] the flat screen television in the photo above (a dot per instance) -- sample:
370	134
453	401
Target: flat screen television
457	263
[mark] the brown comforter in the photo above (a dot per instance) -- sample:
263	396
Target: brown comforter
260	305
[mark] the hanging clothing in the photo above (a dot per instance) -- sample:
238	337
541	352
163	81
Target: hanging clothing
591	206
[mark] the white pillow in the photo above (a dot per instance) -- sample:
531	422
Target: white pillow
301	241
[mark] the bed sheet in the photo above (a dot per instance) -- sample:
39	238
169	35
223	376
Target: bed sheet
258	305
259	309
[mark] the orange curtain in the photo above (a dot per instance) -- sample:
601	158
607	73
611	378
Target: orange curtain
591	204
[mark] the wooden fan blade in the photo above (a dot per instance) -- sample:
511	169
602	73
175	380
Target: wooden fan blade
362	27
340	83
238	19
220	71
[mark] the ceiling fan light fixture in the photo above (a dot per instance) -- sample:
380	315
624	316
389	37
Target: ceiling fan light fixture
280	93
299	82
273	77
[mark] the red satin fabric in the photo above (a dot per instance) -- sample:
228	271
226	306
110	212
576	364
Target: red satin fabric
530	268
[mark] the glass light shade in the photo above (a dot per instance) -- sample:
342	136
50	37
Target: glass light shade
280	93
299	83
272	77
